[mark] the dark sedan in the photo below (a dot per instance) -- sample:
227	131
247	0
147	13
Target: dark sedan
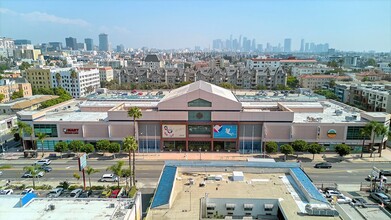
46	169
323	165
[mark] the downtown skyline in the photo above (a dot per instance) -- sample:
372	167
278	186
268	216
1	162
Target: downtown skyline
360	25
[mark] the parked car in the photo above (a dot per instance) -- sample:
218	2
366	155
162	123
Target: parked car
381	197
54	193
109	178
343	199
76	193
28	190
1	172
46	168
331	188
330	193
6	192
323	165
29	175
385	172
43	162
114	193
85	194
371	178
105	194
358	201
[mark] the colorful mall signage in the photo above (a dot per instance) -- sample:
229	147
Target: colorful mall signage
71	131
331	133
173	131
225	131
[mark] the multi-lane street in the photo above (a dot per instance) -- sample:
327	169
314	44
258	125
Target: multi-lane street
148	172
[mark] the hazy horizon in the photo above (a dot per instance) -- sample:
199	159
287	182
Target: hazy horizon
346	25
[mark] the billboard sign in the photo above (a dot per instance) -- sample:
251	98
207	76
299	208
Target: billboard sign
173	131
71	131
82	162
225	131
331	133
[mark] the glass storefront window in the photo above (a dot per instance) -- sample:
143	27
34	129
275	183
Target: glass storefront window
48	129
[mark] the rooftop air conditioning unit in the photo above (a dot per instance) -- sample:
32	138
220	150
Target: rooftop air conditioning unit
52	207
112	205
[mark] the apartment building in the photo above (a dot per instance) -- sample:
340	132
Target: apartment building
6	47
38	77
152	61
295	62
106	73
376	98
85	82
262	63
318	81
304	70
9	86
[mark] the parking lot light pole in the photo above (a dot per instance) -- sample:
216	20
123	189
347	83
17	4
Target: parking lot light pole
199	149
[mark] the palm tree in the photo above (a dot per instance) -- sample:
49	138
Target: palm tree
130	144
116	169
22	126
41	137
375	128
135	113
383	131
365	132
127	174
33	170
89	170
58	79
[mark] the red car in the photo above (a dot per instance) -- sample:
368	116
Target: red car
115	193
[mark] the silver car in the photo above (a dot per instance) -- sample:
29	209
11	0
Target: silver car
76	193
54	193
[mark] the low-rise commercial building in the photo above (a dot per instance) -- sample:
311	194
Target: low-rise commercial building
318	81
9	86
204	116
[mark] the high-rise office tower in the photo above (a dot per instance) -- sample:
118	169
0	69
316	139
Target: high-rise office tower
89	44
287	45
302	45
253	45
307	47
22	42
103	42
71	43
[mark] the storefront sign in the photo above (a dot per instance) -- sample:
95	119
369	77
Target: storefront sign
71	131
174	131
331	133
225	131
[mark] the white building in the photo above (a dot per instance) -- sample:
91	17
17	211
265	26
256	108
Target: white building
302	70
86	81
261	63
7	47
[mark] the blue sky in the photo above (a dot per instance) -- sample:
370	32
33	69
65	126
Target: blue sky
345	24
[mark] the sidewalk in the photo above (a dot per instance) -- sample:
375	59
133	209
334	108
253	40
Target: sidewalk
306	157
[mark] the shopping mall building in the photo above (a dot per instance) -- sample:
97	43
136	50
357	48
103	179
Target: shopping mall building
204	116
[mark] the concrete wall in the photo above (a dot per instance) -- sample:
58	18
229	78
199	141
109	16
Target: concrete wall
95	131
277	132
119	130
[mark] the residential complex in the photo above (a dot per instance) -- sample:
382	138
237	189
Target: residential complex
204	116
9	86
319	81
38	77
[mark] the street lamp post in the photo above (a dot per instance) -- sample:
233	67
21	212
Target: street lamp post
199	149
190	198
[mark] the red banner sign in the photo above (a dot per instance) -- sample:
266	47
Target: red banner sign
71	130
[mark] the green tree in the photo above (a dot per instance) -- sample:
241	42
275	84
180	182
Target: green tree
89	170
76	176
383	131
271	147
366	78
17	94
127	174
365	133
21	128
76	146
135	113
41	137
286	149
333	64
114	148
117	169
61	147
2	97
30	132
371	62
88	148
292	82
33	170
128	145
315	148
103	145
342	149
24	66
375	129
227	85
299	146
332	83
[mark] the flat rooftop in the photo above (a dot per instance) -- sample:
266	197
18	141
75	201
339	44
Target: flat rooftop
255	186
359	213
65	209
